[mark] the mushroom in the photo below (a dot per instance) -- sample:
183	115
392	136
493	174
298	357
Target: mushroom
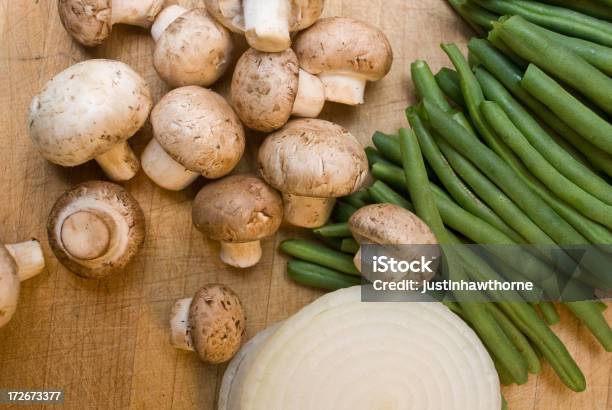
18	262
312	162
387	224
195	132
89	111
266	24
344	53
90	21
238	211
191	47
212	323
95	229
267	88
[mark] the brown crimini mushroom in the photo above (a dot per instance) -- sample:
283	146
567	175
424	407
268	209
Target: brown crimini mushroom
195	132
191	48
95	229
212	323
267	88
89	111
18	262
266	24
312	162
344	53
90	21
238	211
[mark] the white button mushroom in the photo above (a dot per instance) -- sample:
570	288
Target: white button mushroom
267	88
344	53
95	229
387	224
18	262
90	21
212	323
89	111
266	24
238	211
312	162
191	47
195	132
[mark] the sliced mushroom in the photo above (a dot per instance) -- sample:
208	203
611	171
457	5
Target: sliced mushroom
90	21
95	229
344	53
195	132
18	262
266	24
212	323
89	111
191	47
267	88
238	211
312	162
387	224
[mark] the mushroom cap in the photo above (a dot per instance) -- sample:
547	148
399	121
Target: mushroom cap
230	13
390	224
118	210
88	21
87	109
344	45
315	158
264	87
217	323
199	130
9	286
238	208
193	50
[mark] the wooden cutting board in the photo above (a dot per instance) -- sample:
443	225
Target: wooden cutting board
106	343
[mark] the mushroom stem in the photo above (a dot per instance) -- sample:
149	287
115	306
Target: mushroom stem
266	24
344	88
307	212
119	163
29	258
164	19
135	12
241	255
163	170
310	96
180	331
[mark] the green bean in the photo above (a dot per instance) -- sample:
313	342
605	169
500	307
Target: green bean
335	243
480	16
591	7
527	42
554	18
374	156
504	405
477	313
388	146
343	211
426	86
510	76
499	44
358	199
448	81
389	174
349	245
319	254
565	189
456	4
577	115
337	230
382	193
549	312
310	274
590	314
505	378
601	305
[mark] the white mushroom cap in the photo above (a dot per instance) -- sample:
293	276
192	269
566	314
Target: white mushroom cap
194	49
90	21
95	229
88	110
9	286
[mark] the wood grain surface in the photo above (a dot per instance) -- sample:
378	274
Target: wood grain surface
106	343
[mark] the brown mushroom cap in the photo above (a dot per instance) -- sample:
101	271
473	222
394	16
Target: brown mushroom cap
193	50
315	158
264	87
217	322
111	206
390	224
88	21
344	45
199	130
238	208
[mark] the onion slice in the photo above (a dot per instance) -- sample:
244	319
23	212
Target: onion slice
340	353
